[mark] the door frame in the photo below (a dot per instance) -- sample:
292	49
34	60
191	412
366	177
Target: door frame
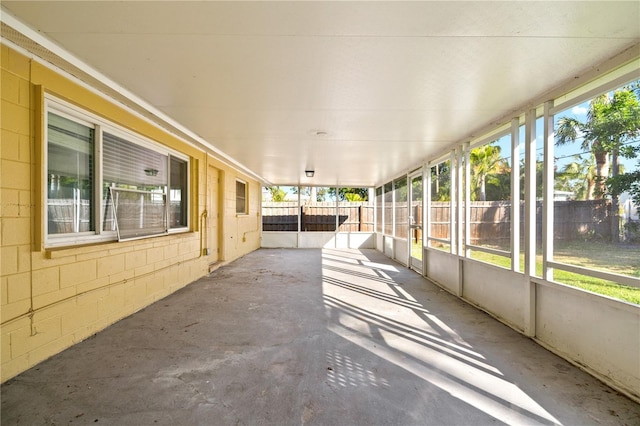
415	263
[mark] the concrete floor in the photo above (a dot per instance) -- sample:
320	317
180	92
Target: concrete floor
324	337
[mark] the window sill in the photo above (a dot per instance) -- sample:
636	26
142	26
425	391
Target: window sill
88	247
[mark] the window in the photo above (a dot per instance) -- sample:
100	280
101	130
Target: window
70	176
490	207
439	236
241	197
388	209
401	223
355	210
280	210
596	189
105	184
318	209
379	209
178	176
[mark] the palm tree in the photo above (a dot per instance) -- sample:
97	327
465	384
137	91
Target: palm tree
485	160
612	120
579	177
570	130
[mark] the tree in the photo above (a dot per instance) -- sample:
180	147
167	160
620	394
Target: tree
579	177
277	194
485	160
612	121
441	181
351	194
539	176
627	182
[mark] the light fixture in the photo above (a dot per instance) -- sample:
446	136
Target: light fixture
309	173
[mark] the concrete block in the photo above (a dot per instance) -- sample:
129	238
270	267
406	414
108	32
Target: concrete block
163	264
16	175
92	297
22	341
9	260
120	249
89	255
26	148
92	285
55	310
135	259
155	254
18	287
49	258
43	352
78	272
46	280
10	87
10	147
24	94
112	303
170	251
4	291
155	285
18	64
53	297
4	56
123	276
15	118
15	231
144	270
14	367
24	258
5	346
80	316
13	310
110	265
135	291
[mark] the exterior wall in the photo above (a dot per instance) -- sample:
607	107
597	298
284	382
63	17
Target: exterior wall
54	298
241	233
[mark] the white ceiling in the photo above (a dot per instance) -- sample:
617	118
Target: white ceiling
360	92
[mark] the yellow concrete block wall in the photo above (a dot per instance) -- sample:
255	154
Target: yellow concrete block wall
245	232
54	298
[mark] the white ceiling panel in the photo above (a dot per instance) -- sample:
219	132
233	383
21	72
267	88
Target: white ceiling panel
387	84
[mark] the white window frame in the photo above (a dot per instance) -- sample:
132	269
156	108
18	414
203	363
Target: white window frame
246	198
100	126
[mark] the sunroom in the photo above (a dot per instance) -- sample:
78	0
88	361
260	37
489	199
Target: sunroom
490	147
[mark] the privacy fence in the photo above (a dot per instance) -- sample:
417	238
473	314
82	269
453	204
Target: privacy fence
321	216
490	221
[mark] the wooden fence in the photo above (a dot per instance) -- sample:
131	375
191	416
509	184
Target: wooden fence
321	216
490	221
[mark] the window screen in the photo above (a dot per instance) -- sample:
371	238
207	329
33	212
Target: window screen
138	213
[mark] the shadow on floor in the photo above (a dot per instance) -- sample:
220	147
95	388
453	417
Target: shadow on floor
326	337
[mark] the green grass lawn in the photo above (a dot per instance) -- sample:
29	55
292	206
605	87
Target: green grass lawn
619	259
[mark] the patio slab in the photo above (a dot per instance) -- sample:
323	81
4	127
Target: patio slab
309	336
